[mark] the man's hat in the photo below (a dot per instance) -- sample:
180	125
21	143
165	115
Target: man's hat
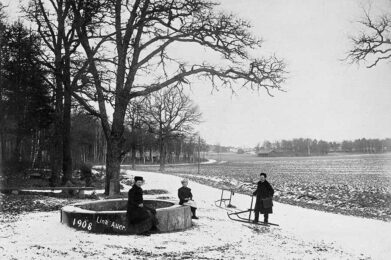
138	178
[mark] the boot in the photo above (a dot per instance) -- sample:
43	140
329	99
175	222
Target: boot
146	233
193	211
266	218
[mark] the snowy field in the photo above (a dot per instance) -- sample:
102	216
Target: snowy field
303	234
358	185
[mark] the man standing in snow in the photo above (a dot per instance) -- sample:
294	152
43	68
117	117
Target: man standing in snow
264	204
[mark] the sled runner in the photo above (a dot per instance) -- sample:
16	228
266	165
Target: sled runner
237	216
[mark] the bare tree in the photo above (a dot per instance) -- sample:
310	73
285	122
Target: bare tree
141	33
373	44
52	26
171	114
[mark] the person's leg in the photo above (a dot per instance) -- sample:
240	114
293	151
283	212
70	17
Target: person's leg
193	211
266	217
256	216
151	214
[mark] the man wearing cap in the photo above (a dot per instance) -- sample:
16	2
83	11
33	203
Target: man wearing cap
136	211
264	193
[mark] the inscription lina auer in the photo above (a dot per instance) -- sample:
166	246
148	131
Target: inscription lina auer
85	224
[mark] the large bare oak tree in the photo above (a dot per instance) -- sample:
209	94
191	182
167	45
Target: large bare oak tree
136	46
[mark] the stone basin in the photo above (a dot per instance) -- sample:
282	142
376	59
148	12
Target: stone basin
109	216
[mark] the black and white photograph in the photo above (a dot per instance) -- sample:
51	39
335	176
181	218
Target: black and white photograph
195	129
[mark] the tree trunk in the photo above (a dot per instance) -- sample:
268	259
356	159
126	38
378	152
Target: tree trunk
141	149
2	141
57	147
113	164
150	155
67	155
1	153
18	145
114	155
56	154
2	148
34	148
162	152
133	157
57	141
96	138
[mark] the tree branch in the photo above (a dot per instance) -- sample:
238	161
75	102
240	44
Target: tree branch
373	44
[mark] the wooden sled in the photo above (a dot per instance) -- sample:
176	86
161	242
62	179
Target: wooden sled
222	202
237	216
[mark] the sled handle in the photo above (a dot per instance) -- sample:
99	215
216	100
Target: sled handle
251	207
221	199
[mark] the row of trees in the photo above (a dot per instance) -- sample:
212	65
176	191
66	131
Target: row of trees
301	146
142	145
296	147
160	121
108	55
366	145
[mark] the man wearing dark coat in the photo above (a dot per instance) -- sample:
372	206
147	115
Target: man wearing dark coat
186	197
136	211
264	193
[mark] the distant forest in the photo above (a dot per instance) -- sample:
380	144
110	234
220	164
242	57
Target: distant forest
303	147
309	147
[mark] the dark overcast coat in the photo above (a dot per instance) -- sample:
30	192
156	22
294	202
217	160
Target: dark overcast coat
136	214
264	190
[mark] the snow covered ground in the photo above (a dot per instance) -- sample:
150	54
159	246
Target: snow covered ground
303	234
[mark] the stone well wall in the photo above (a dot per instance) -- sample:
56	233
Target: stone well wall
109	216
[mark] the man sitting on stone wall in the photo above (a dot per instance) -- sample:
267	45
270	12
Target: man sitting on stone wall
139	215
186	198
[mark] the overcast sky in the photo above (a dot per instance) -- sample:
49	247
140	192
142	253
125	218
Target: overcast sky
326	98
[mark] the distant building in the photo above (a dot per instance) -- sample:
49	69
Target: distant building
233	149
267	153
